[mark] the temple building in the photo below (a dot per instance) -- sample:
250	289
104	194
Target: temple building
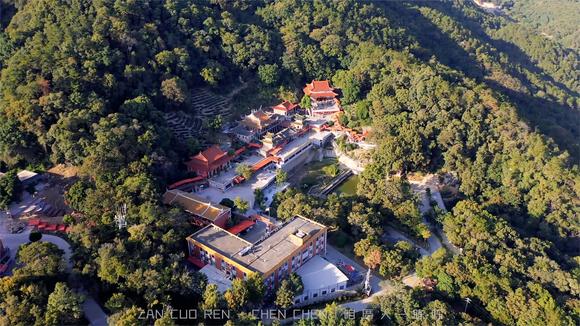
286	108
209	162
243	134
260	123
322	98
203	211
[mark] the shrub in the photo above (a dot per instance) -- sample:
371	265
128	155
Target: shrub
35	236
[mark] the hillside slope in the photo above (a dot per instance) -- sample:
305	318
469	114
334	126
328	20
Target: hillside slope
445	86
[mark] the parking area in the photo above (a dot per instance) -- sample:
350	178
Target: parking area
261	180
359	272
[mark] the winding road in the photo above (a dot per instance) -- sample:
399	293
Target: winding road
434	243
93	312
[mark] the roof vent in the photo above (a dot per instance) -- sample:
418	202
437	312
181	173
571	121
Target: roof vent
300	234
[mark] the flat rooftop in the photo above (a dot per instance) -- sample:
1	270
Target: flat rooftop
262	179
295	145
261	256
319	273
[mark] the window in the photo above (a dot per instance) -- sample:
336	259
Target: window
324	292
297	301
315	295
305	298
341	287
332	290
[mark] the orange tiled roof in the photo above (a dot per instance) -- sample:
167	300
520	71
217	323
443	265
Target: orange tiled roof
286	106
194	204
211	154
263	117
319	88
256	120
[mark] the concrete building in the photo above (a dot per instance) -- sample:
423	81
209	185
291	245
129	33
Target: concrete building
300	150
277	254
203	211
320	278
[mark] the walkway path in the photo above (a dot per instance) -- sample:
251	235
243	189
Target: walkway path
392	234
93	311
378	286
420	187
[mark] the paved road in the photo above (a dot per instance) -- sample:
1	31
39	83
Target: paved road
392	234
13	241
420	187
378	286
93	311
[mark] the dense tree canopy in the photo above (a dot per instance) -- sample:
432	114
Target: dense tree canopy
445	87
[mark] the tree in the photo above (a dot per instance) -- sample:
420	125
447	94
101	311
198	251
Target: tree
245	319
212	298
34	236
256	288
334	315
244	170
9	188
373	258
305	102
348	84
213	73
269	74
128	316
296	283
237	296
116	302
331	170
175	90
227	202
77	193
259	198
216	123
241	205
39	259
64	306
281	177
284	295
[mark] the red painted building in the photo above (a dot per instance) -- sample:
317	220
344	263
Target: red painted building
209	162
322	98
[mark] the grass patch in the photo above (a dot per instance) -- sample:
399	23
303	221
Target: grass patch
313	174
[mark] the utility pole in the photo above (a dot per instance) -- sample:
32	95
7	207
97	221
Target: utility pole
121	217
367	287
467	302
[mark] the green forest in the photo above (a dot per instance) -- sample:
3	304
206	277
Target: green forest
555	19
446	87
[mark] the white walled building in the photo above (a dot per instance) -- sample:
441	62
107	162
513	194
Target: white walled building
320	278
